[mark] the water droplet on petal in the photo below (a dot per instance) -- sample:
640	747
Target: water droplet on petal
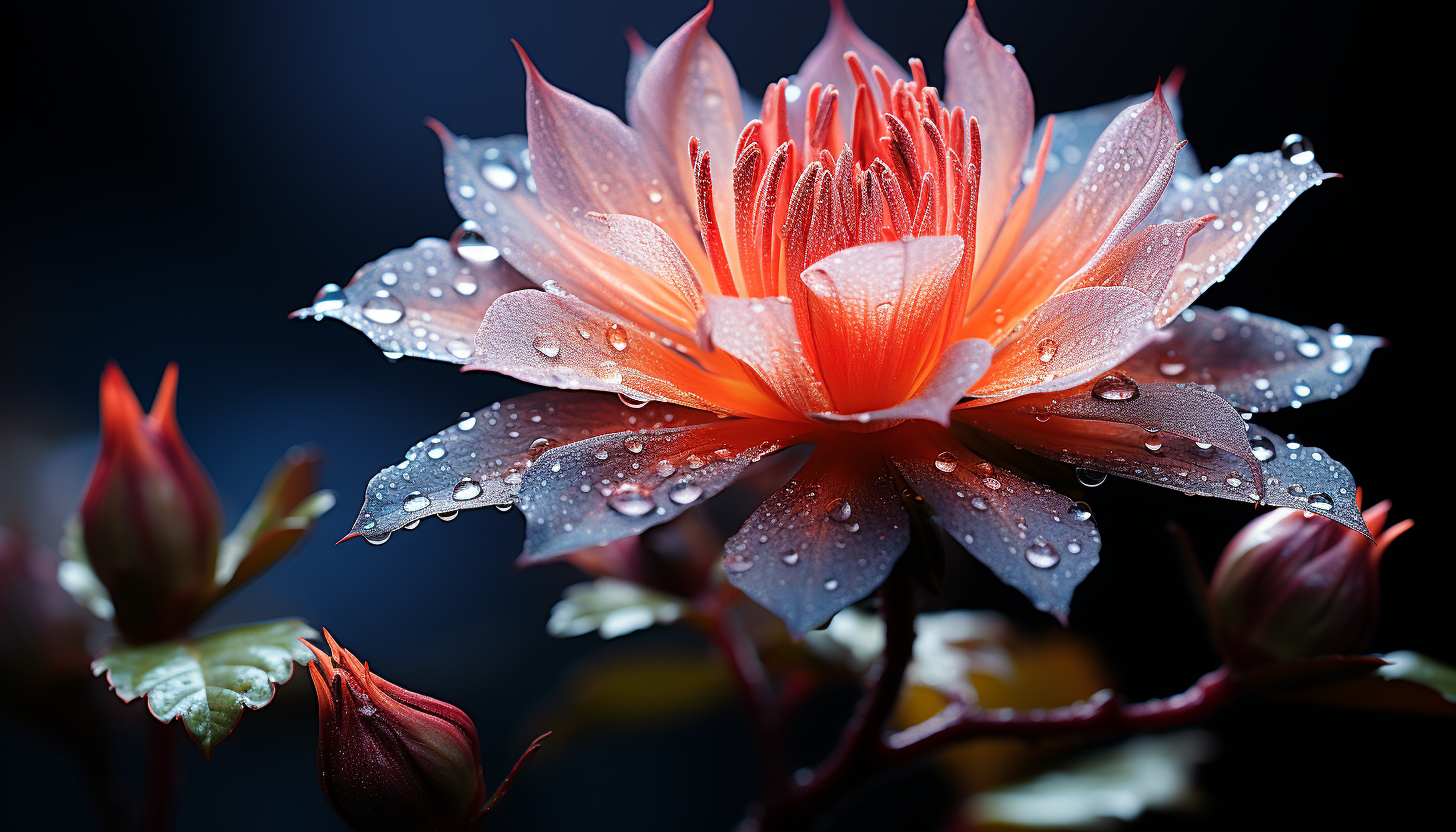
1321	501
1090	478
1263	448
789	558
831	584
617	337
1046	350
738	564
1297	149
1233	480
547	345
435	452
1041	555
1341	363
631	500
472	248
1115	387
383	310
465	490
1080	511
380	540
633	403
499	176
684	493
946	461
840	510
979	503
416	502
1309	349
1171	365
447	516
634	444
1153	443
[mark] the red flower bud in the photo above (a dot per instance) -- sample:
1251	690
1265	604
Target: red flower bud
390	759
1293	585
150	519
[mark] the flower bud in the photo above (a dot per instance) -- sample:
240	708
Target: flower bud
1292	585
390	759
150	519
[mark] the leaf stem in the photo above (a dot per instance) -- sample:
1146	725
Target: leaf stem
161	780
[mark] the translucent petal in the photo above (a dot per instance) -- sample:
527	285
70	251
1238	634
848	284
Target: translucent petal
825	65
762	333
1030	536
482	459
688	89
1145	261
825	540
1120	182
1247	195
1067	340
562	342
608	487
491	182
875	312
1256	362
1295	477
985	78
645	246
425	301
959	368
1073	137
584	159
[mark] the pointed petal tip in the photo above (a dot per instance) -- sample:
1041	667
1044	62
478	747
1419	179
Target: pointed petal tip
635	43
349	536
1175	79
164	404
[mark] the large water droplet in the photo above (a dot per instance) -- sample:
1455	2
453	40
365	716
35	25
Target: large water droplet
840	510
634	444
330	298
617	337
1041	555
631	500
946	461
1115	387
547	345
435	452
1321	501
380	540
1080	511
789	558
447	516
1090	478
1297	149
1309	349
1341	364
499	176
633	403
1154	443
684	493
465	490
1046	350
472	248
383	310
416	502
1263	448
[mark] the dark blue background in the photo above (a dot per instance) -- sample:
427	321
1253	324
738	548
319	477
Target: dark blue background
187	174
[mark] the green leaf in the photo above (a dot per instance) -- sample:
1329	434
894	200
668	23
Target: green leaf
1407	682
209	680
1424	670
612	607
282	513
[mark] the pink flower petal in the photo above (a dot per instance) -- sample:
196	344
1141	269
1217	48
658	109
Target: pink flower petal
491	183
825	65
646	246
1257	363
986	79
1067	340
876	313
424	301
482	459
688	89
1145	260
825	540
960	366
1247	196
1030	536
584	159
610	486
762	333
559	341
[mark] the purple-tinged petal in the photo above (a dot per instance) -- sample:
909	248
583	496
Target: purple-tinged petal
492	182
1075	135
601	489
1258	363
559	341
1247	196
1031	537
482	459
1067	340
825	540
688	89
825	65
424	301
1064	428
984	78
961	366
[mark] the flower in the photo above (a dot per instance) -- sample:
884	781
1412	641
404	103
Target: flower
390	759
150	520
146	548
868	265
1293	585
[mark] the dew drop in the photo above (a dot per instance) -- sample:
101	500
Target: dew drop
979	503
609	372
547	345
383	310
617	337
684	493
631	402
1297	149
1090	478
1080	511
1263	448
631	500
946	461
447	516
1309	349
435	452
380	540
831	584
738	564
1074	548
789	558
1041	555
634	444
499	176
1339	366
1046	350
472	248
1153	443
1115	387
840	510
465	490
1233	480
1321	501
416	502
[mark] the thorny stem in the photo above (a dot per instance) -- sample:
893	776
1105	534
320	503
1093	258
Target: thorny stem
753	685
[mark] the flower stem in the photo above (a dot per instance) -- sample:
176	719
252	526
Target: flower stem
753	686
161	781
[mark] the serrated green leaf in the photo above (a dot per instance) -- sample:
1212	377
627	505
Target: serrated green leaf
206	682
